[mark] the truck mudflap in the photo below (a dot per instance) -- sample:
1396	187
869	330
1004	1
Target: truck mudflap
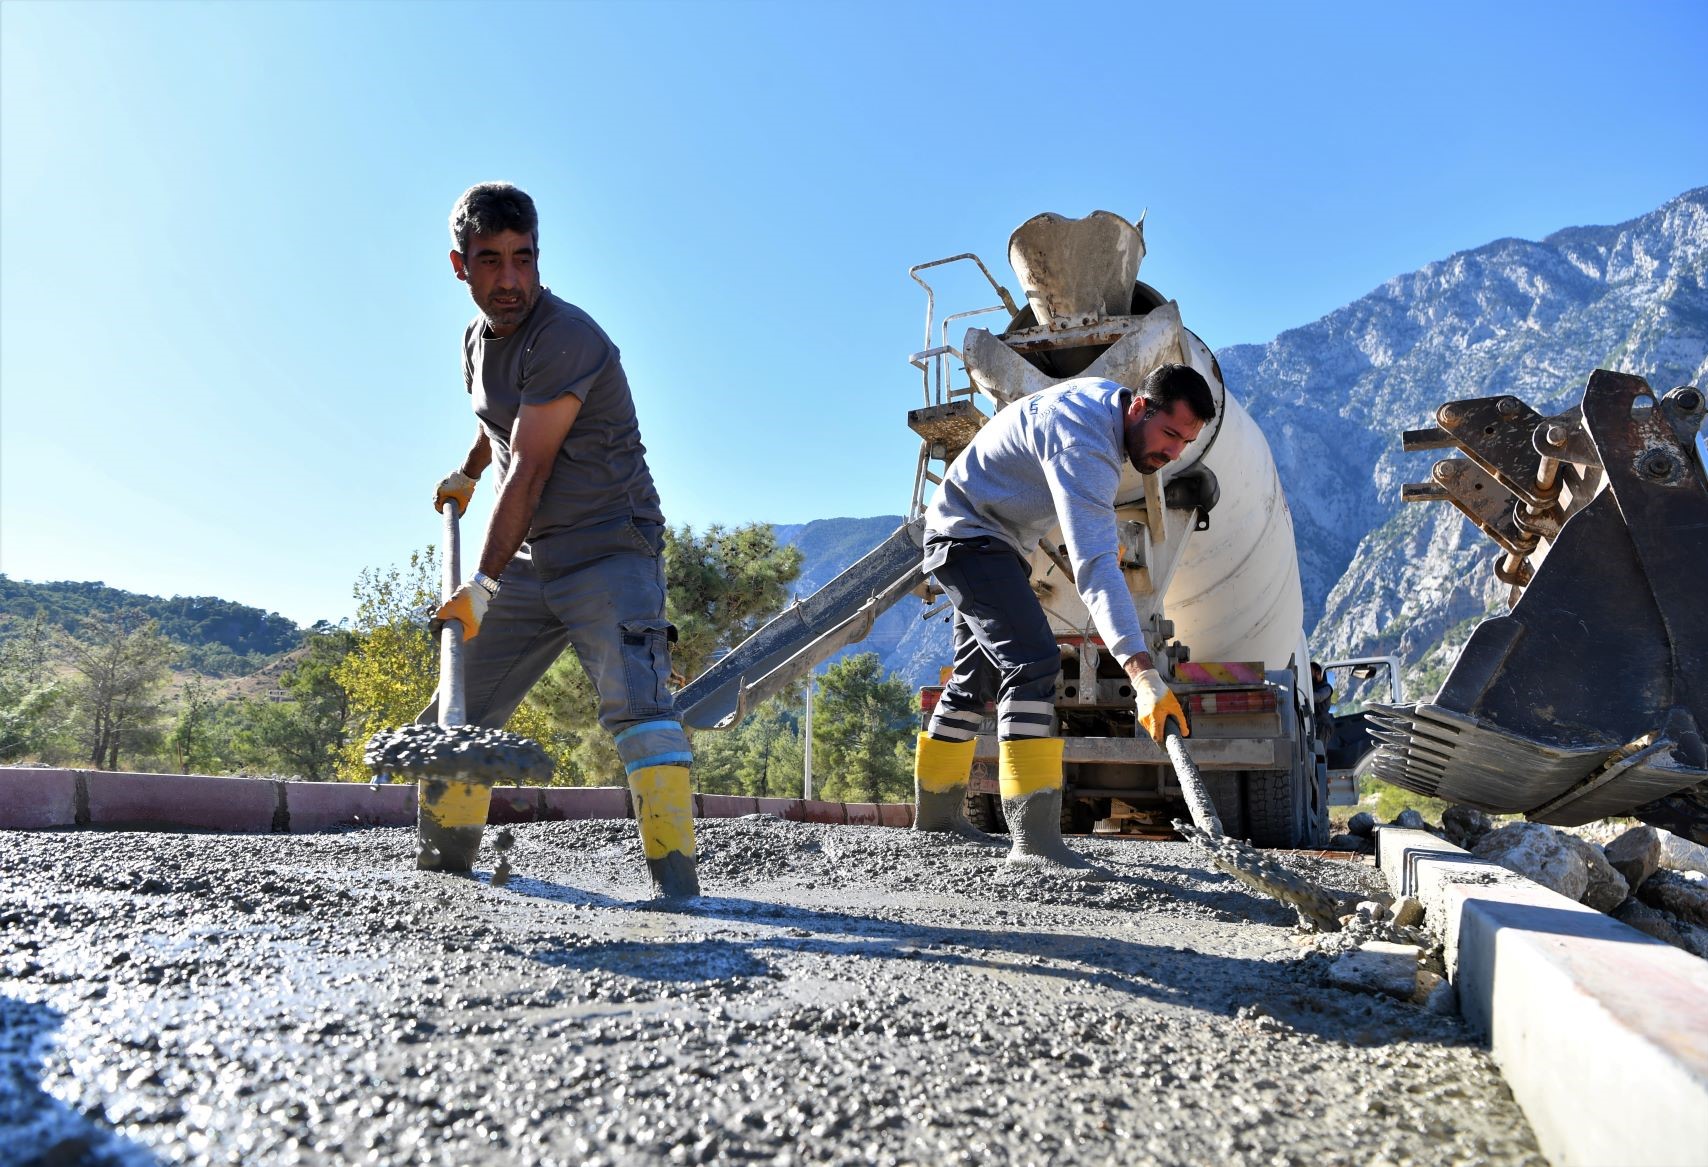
1590	697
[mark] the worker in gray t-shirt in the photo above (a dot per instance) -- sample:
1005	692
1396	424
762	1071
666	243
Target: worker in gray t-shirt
1051	458
572	554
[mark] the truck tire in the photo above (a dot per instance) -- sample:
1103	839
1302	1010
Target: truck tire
1319	804
1273	808
1289	808
1079	816
984	811
1223	787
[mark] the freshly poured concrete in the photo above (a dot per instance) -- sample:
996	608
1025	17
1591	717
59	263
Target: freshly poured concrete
843	995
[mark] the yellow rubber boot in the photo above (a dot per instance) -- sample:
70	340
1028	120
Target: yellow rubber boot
1031	782
450	818
940	771
664	811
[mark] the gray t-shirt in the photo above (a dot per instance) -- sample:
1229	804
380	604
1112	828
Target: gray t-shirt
601	471
1053	457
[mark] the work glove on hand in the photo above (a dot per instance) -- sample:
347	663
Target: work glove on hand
1155	704
456	485
467	604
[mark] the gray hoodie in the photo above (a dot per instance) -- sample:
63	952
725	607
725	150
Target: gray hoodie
1052	457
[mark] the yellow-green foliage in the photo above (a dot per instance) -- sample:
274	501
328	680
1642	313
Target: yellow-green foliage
1386	801
394	669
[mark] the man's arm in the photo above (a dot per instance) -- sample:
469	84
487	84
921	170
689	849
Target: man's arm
534	444
458	485
1082	486
479	456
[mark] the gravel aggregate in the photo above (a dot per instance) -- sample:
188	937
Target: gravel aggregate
843	995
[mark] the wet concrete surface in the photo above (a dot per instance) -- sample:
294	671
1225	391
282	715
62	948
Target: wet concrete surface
840	995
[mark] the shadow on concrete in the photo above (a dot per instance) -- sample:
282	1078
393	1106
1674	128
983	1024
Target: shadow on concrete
1178	977
36	1129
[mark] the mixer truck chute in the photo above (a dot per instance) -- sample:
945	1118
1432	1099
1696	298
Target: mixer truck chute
1589	698
1207	551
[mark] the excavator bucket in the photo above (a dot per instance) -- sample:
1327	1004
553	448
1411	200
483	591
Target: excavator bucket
1589	698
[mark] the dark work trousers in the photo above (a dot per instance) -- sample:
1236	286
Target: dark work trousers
600	591
1004	649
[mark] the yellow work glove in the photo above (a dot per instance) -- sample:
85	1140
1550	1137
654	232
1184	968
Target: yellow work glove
1155	704
456	485
468	605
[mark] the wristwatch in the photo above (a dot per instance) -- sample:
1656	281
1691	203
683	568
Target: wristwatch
487	582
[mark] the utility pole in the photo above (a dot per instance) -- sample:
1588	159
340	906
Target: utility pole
806	741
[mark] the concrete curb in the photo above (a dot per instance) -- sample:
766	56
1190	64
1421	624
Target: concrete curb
1600	1031
41	798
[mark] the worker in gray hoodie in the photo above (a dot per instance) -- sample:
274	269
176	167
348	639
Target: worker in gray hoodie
1051	458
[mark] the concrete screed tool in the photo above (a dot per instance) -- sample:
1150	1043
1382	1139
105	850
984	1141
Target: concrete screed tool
454	764
1317	908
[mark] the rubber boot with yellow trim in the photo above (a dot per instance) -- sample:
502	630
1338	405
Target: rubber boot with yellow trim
664	811
940	771
1031	783
450	819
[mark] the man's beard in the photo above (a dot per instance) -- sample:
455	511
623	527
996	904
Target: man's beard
505	318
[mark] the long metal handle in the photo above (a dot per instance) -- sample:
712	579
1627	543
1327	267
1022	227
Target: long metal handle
453	709
1204	815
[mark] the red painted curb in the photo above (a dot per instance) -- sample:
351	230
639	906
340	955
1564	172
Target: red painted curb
896	814
586	802
514	804
783	808
34	798
327	806
44	798
862	814
726	806
180	801
825	812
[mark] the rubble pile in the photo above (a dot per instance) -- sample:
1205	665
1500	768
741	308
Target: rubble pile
1640	875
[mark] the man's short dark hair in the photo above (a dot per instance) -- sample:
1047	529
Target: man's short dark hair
487	208
1170	383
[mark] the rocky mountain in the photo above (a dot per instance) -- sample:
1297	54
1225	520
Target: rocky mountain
1530	318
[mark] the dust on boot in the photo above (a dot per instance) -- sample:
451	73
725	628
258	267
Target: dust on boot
664	812
1031	783
940	770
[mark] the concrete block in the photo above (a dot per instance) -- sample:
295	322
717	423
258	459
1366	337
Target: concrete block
814	811
896	814
862	814
36	798
784	808
586	802
326	806
1598	1029
725	806
195	802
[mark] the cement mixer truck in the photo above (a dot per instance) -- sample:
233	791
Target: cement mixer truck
1207	551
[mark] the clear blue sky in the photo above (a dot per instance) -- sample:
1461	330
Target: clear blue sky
228	328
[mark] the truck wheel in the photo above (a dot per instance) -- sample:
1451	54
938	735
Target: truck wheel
1223	787
1079	816
1319	805
1274	807
984	811
1289	808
